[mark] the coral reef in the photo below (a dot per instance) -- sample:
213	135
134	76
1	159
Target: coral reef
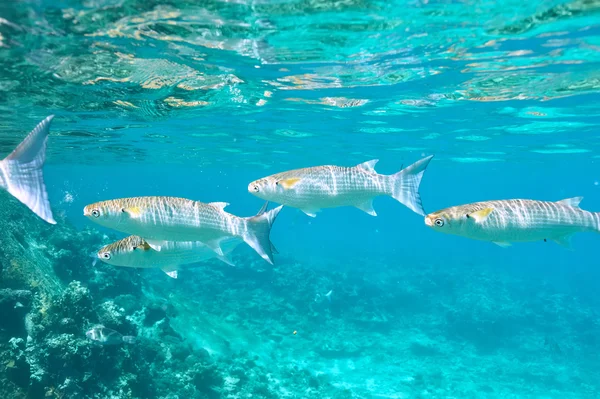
271	332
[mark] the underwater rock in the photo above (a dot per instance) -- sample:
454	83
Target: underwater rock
114	317
23	265
17	368
75	303
154	313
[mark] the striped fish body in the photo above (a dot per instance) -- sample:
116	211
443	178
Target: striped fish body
329	186
167	218
160	219
517	220
134	251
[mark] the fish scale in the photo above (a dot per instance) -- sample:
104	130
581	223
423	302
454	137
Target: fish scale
333	181
516	220
534	214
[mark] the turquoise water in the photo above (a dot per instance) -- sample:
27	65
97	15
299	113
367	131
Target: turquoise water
198	99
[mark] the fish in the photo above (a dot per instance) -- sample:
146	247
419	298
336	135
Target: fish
107	336
516	220
158	219
328	296
21	172
329	186
134	251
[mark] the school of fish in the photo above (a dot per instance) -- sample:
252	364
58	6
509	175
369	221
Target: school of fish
167	233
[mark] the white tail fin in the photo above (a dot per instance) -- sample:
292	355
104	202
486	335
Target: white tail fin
21	172
405	185
258	231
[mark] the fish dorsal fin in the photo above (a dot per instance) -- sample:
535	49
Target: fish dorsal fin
219	205
288	183
481	215
574	202
369	165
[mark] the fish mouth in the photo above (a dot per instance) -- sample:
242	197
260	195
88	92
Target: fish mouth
428	221
253	188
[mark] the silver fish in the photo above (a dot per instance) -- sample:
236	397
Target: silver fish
134	251
159	219
516	220
21	171
107	336
312	189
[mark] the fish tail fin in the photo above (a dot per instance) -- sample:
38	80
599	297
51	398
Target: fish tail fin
21	171
405	185
129	339
258	231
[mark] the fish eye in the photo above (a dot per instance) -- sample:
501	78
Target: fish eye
134	248
439	222
256	187
106	255
95	213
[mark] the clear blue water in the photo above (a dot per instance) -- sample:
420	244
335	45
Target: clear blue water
196	100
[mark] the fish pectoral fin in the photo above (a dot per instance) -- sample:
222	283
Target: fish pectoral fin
369	165
215	245
481	215
263	208
503	244
134	212
155	244
288	183
273	249
226	259
144	246
367	207
219	205
170	271
311	212
564	241
574	202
